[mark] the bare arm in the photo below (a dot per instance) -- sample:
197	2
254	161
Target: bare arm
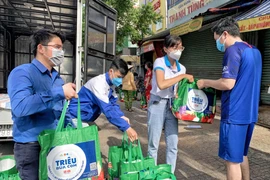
220	84
166	83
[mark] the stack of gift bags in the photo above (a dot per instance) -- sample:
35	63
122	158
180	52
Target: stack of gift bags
126	162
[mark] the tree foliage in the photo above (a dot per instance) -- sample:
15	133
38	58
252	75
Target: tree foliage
133	21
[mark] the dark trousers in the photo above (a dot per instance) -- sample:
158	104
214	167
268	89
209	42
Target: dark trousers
27	160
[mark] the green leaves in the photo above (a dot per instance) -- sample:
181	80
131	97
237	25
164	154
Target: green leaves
133	21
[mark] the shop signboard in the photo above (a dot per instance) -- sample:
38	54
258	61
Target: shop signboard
187	27
188	9
254	24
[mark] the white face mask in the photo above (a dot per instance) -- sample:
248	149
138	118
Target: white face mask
57	56
175	54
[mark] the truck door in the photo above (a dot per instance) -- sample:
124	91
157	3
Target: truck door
100	38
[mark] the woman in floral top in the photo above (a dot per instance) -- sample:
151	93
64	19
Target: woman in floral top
147	82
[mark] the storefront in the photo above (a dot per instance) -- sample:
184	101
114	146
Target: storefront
256	23
201	57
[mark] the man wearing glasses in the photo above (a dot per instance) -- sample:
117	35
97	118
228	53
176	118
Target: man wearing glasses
37	93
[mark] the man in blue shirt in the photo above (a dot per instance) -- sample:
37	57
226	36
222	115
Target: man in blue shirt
37	93
98	95
240	85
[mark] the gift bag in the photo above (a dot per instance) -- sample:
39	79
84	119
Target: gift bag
135	162
193	104
147	174
168	176
130	176
7	165
116	154
69	153
160	170
163	168
10	176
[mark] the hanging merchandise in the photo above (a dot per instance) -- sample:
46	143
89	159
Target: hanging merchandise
193	104
69	153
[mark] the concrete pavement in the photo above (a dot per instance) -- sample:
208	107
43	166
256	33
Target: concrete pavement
198	148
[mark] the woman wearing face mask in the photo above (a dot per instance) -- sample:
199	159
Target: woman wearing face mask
167	72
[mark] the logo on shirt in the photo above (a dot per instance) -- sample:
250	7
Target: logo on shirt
197	100
66	162
225	70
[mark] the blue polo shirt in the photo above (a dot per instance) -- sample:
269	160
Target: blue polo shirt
36	100
243	63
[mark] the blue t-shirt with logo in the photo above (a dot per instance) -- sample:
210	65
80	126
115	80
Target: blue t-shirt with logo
243	63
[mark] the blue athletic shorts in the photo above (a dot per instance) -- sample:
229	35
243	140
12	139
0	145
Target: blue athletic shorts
234	140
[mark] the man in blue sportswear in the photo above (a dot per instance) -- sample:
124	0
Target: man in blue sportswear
240	85
37	93
98	95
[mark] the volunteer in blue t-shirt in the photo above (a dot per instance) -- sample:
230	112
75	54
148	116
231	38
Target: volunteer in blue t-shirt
240	85
166	73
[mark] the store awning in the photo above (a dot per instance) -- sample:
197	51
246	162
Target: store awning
255	19
131	58
157	36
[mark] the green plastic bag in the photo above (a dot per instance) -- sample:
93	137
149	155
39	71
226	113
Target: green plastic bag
168	176
10	176
193	104
163	168
116	154
149	162
130	176
69	153
135	160
153	173
148	174
7	165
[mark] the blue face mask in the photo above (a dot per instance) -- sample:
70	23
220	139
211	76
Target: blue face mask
116	81
220	47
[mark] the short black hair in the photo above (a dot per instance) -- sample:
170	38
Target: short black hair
120	65
228	24
171	41
149	65
44	36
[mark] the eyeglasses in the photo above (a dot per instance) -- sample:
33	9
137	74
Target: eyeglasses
181	48
56	46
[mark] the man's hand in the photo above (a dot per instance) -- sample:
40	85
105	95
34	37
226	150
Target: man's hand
132	135
69	91
200	84
189	77
126	119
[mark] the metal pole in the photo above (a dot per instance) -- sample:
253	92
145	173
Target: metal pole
79	45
